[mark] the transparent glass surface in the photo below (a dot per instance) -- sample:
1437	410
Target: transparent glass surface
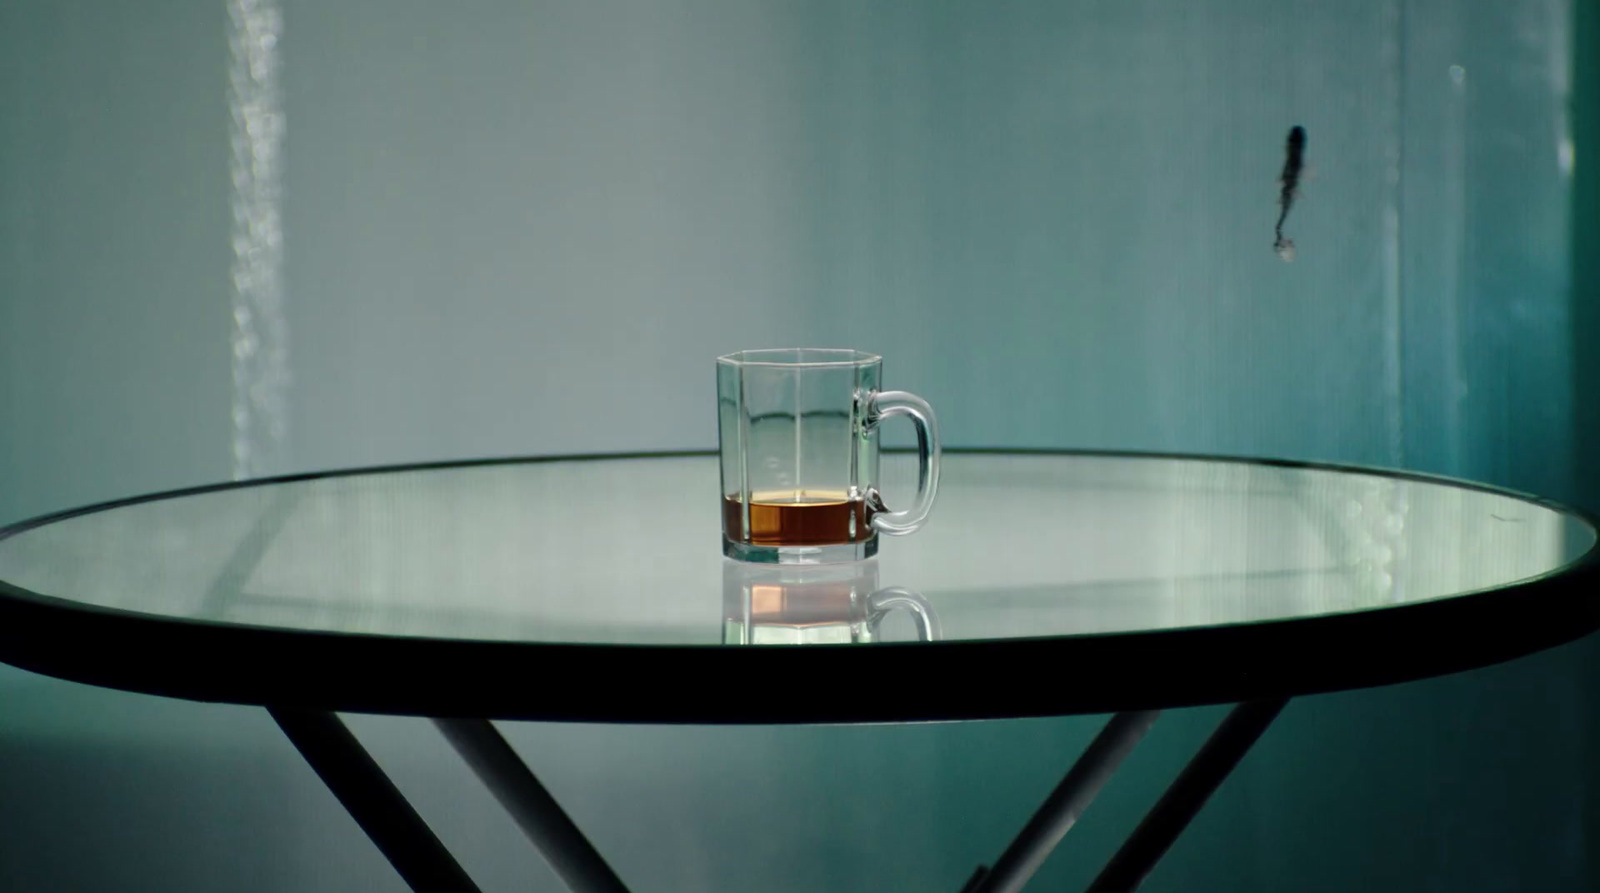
623	550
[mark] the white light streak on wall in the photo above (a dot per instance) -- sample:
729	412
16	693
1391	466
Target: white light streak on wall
260	330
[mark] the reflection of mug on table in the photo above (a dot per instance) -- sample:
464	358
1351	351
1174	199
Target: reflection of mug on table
766	604
799	435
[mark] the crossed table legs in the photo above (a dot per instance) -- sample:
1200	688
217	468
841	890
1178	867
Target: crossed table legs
411	847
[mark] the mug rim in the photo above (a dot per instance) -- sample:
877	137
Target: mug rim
801	357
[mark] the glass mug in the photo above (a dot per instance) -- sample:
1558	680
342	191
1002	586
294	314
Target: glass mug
765	604
798	429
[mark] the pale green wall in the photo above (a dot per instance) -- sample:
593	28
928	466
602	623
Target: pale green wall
527	227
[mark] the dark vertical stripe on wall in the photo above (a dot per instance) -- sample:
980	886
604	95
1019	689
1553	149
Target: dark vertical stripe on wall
1586	248
1585	356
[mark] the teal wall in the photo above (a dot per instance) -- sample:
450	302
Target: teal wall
527	227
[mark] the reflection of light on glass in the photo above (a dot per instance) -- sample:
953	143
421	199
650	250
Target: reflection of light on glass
1375	539
766	600
260	331
770	604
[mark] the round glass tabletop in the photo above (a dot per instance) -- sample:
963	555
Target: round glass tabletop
593	588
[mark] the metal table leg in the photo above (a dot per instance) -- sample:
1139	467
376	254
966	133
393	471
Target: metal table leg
1159	828
1062	808
373	801
1194	785
411	847
569	853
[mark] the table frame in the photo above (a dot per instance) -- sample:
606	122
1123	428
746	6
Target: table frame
427	866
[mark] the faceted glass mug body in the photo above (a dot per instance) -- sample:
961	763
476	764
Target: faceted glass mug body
798	430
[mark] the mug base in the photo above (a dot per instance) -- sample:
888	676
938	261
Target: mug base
836	554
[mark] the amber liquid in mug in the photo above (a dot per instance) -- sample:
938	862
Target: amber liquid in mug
804	518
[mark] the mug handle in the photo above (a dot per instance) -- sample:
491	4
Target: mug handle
886	405
880	603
